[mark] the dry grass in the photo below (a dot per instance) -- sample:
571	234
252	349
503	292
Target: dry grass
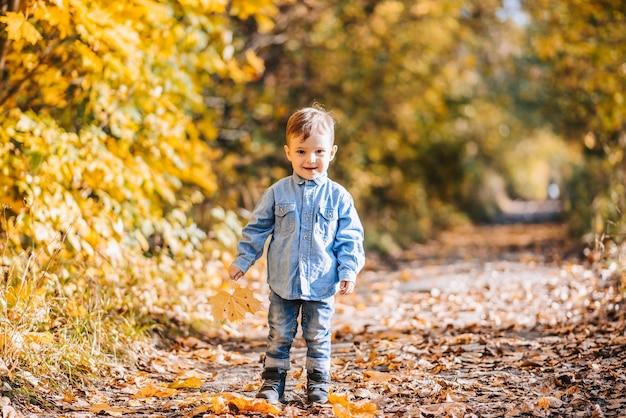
70	314
52	338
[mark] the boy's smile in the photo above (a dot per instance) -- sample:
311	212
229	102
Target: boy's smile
310	158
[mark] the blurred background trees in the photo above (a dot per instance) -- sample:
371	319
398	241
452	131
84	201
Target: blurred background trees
136	135
576	55
447	107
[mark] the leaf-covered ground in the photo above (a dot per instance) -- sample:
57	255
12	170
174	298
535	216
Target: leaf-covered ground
484	322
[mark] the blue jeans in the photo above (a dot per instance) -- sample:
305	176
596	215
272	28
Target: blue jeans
283	324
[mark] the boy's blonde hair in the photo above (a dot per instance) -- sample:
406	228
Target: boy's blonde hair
310	119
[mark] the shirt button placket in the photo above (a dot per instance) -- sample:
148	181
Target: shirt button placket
307	229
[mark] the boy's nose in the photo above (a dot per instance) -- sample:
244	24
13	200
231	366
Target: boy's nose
312	157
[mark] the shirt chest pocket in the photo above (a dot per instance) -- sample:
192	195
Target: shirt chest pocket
285	218
326	225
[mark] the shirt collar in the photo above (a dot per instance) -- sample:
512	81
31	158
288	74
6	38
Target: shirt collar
319	180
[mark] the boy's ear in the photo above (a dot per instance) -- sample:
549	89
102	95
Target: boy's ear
286	148
333	151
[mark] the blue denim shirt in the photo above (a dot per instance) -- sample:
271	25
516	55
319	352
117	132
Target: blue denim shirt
317	238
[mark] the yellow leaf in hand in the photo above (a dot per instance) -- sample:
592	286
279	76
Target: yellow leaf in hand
234	306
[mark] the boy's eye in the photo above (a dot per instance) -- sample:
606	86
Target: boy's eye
301	152
320	151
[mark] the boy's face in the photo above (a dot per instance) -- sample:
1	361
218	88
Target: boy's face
310	159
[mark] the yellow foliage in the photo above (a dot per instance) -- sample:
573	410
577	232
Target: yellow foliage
106	145
209	6
246	8
257	65
18	28
56	15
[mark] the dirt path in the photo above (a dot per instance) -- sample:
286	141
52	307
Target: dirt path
484	322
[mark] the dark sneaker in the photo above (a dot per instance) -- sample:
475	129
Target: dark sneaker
318	386
273	386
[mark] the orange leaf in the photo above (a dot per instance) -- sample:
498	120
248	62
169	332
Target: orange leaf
152	391
110	410
221	404
69	397
200	410
246	404
233	307
439	368
190	383
252	387
343	408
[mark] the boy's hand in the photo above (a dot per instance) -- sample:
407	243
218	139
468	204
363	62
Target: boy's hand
346	287
235	273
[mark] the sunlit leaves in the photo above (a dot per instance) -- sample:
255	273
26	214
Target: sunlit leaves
262	10
123	144
18	28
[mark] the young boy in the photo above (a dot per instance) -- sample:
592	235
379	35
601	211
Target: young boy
316	250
